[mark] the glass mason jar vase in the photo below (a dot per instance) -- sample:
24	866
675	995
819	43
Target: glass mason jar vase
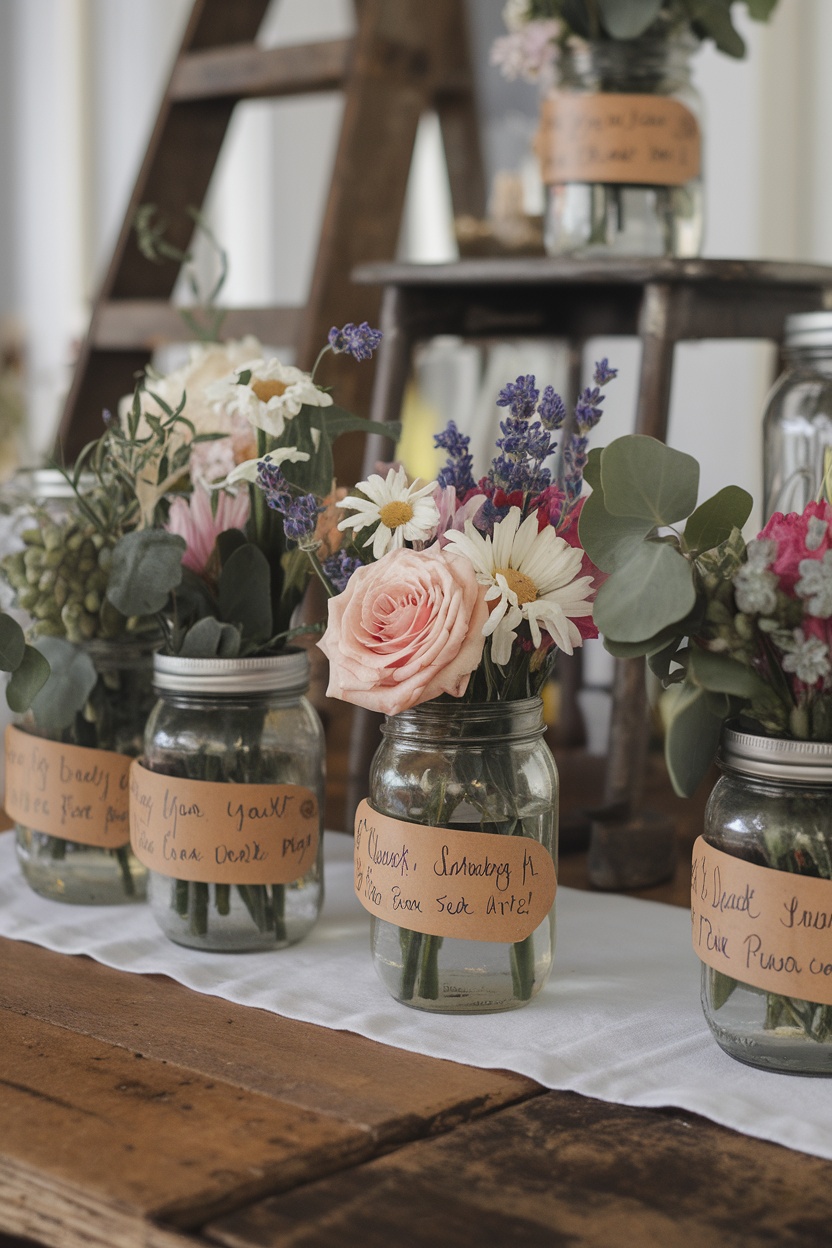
772	808
797	421
620	149
233	833
475	768
81	790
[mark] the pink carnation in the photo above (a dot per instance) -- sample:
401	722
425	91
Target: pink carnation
406	629
789	532
194	520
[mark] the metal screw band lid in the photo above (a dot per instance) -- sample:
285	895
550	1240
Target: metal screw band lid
776	758
809	329
279	673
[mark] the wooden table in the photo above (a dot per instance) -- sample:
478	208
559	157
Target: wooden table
134	1112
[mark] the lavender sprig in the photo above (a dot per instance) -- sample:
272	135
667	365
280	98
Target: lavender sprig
359	341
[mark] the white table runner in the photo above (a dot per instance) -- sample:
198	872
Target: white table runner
619	1020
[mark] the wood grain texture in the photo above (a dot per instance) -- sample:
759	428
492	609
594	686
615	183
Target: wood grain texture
559	1170
386	1093
127	1138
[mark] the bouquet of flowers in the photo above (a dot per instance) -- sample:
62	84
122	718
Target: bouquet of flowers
735	631
460	592
483	581
537	27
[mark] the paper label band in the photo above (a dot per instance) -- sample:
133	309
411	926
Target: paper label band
67	791
771	929
646	140
472	885
215	833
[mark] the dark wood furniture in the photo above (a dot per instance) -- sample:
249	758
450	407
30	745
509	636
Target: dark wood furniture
661	302
137	1114
405	57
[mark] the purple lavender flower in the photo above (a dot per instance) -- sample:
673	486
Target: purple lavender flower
458	469
300	517
551	410
588	410
273	484
603	373
359	341
520	397
338	569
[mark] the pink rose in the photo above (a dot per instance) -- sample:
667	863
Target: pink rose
790	532
405	630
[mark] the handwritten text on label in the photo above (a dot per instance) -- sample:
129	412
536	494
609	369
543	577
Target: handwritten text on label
472	885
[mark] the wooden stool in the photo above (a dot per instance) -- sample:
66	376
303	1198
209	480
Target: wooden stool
661	302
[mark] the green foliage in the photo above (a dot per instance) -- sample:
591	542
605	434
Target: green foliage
147	565
244	593
629	19
26	680
12	644
669	594
72	678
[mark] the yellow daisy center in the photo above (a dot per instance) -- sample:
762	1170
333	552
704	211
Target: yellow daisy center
522	585
266	390
394	515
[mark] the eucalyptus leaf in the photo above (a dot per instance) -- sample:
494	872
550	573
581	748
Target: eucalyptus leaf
338	420
640	649
244	593
609	540
147	565
72	678
714	521
228	541
760	10
592	471
12	643
722	674
209	639
646	594
642	477
692	737
627	19
661	660
712	19
27	680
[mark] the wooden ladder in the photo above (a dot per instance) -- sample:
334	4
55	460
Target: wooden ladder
406	56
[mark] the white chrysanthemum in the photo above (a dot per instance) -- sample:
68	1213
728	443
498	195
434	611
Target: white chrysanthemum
273	394
404	513
815	585
532	576
808	658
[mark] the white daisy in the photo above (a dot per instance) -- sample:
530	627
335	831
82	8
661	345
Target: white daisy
273	394
404	513
248	471
532	576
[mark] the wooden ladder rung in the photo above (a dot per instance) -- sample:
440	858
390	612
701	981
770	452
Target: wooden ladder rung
144	324
246	71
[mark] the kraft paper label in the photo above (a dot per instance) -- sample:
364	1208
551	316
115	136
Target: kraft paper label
67	791
642	139
771	929
472	885
217	833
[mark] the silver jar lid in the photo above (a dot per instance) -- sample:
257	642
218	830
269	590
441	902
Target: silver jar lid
776	758
279	673
809	329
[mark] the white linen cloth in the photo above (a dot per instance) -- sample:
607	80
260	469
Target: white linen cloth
619	1020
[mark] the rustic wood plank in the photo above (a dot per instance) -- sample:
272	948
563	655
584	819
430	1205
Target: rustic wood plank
559	1170
387	1093
145	324
247	71
128	1137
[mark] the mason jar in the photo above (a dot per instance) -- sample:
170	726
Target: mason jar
227	802
66	781
620	149
797	419
483	780
772	809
